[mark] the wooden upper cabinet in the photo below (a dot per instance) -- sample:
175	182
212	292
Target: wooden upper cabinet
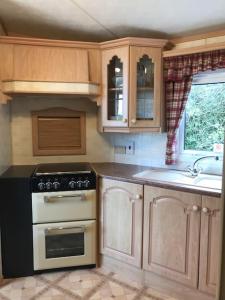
172	234
145	87
132	85
115	66
121	220
209	245
56	64
6	67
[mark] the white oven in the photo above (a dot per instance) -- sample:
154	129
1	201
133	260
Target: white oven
64	217
64	244
63	206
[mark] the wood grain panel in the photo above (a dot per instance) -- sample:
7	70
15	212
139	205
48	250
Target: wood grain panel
171	234
6	67
209	245
121	220
94	63
40	63
58	131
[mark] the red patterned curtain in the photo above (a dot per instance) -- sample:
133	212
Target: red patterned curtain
178	75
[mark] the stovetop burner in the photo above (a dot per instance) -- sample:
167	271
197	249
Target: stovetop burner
63	177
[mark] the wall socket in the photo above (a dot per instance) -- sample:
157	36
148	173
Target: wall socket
127	148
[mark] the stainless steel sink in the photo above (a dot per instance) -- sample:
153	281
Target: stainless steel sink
182	177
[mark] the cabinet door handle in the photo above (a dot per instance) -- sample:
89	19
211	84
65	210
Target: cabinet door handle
195	208
136	197
124	120
133	121
205	210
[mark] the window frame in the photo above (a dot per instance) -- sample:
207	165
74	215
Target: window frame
208	77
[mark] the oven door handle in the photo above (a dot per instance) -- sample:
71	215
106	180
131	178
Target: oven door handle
61	230
51	199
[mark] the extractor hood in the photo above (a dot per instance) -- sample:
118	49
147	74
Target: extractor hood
10	87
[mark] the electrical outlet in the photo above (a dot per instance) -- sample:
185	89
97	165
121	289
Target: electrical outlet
130	148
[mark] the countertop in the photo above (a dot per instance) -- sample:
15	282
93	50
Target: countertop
125	172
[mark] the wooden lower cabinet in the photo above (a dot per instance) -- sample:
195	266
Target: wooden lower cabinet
172	234
181	235
121	220
209	245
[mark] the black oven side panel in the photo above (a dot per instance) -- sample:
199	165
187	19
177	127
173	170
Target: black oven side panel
16	227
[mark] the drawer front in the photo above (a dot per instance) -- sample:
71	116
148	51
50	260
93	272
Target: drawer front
63	206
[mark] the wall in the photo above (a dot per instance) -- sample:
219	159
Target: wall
98	145
5	139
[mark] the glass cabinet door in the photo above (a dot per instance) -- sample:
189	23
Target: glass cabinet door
115	89
145	90
115	78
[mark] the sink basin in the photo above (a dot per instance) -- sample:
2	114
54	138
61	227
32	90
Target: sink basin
209	181
182	177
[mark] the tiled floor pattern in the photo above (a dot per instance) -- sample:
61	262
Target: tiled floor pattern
94	284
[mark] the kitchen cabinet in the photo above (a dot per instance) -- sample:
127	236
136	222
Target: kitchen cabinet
42	63
172	234
181	235
38	66
132	85
209	244
115	83
121	220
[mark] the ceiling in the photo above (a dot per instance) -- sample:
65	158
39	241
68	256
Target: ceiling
100	20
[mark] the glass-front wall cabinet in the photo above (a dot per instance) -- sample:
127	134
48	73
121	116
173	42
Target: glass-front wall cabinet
115	87
145	87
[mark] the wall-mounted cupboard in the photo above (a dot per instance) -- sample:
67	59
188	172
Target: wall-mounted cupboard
38	66
132	85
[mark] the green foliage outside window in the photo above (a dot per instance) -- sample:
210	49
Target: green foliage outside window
205	117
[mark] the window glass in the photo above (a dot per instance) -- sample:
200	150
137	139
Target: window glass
205	117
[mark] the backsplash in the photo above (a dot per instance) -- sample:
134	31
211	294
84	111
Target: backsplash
98	146
150	151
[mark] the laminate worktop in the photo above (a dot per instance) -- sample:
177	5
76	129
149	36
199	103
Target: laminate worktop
126	172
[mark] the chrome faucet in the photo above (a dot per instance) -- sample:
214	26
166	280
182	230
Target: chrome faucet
195	169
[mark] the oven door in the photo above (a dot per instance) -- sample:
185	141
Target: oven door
64	244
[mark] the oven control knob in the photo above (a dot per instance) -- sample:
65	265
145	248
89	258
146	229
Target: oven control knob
48	185
72	184
41	186
86	183
56	185
79	183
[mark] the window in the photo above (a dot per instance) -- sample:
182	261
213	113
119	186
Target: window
204	118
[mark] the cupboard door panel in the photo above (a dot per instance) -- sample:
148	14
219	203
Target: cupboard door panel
121	220
145	87
115	69
171	234
42	63
209	245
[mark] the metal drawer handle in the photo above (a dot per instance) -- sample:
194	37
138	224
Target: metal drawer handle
75	229
50	199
